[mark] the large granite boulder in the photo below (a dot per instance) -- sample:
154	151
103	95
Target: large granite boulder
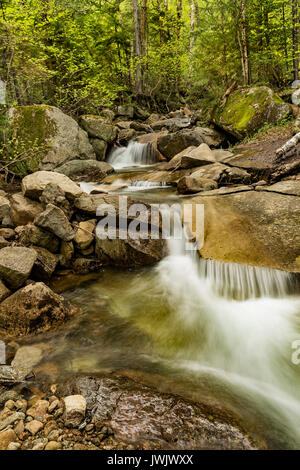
54	220
24	210
248	110
55	137
87	170
170	145
33	185
34	309
259	228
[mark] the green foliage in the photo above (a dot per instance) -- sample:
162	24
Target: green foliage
79	54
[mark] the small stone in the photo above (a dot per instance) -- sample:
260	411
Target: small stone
75	409
53	405
6	437
14	446
34	427
19	428
39	410
53	445
11	420
10	404
89	427
21	405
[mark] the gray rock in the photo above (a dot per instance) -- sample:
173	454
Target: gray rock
44	265
16	264
75	410
4	207
55	221
127	111
53	194
89	170
11	419
98	127
190	185
24	210
100	148
33	185
296	97
10	375
4	292
32	235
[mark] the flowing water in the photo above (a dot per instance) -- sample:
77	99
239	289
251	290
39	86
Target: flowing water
135	154
210	329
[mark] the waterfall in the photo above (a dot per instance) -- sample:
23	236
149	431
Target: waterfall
135	154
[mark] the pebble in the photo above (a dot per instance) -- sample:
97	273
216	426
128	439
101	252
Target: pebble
21	405
54	404
75	409
11	419
10	404
34	427
6	437
53	445
14	446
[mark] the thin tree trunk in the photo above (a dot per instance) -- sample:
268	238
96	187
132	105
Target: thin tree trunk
192	26
285	36
137	36
245	42
295	15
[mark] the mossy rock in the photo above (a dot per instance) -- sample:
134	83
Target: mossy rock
248	110
43	137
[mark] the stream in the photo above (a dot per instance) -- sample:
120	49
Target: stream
200	328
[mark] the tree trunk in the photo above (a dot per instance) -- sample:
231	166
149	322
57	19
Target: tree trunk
137	37
295	15
245	43
192	26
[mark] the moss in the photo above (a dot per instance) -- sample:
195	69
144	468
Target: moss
33	130
247	110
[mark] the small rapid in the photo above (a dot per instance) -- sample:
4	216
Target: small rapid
135	154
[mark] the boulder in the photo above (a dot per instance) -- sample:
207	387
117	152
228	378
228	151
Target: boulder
289	187
44	265
99	127
87	170
171	144
55	221
259	228
190	185
32	235
100	148
128	252
126	111
192	157
85	234
248	110
212	172
140	127
27	357
16	264
86	265
34	309
33	185
172	124
296	97
4	207
66	252
24	210
57	135
125	135
53	194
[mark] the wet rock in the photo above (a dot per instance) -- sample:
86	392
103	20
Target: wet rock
51	129
55	221
129	252
125	135
24	210
85	234
135	412
74	410
172	124
247	110
97	126
289	187
6	438
140	127
172	144
34	309
189	185
26	358
16	264
4	291
100	148
87	170
67	252
232	175
213	172
86	265
32	235
33	185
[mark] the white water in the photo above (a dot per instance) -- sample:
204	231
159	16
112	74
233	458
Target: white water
245	342
135	154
